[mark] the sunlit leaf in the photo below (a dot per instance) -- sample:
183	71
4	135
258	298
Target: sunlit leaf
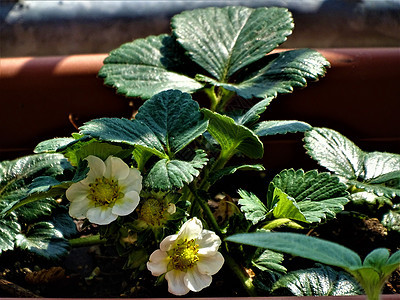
173	174
277	74
319	250
269	261
322	281
43	239
391	219
9	228
174	118
142	68
18	174
375	172
233	137
319	196
280	127
52	145
233	38
252	207
163	125
253	114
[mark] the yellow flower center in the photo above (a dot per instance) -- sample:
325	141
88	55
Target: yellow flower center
104	191
184	255
154	212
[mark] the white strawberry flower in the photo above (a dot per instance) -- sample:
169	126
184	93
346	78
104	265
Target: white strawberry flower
188	259
111	189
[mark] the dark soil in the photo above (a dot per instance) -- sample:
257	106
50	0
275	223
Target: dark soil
98	272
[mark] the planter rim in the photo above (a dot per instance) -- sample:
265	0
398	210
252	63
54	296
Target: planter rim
91	63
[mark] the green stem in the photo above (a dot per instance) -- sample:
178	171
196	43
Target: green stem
224	98
219	163
214	100
207	211
244	278
373	294
87	241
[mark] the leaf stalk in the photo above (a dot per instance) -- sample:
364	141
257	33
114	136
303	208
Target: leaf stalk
87	241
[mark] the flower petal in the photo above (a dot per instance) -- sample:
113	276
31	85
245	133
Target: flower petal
133	182
127	204
116	168
176	284
168	242
197	281
79	208
96	166
77	191
208	242
171	208
210	265
158	263
101	215
191	229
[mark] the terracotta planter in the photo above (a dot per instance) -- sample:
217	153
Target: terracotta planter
46	97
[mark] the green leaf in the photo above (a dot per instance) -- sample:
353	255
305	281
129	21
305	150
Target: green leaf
280	210
371	275
318	195
282	222
381	261
130	132
286	207
43	239
173	174
17	175
234	37
79	150
377	258
9	228
163	125
32	212
335	152
232	137
64	223
277	73
252	115
379	189
316	211
269	261
319	250
141	155
321	281
232	169
252	207
382	168
376	172
174	117
142	68
52	145
391	220
280	127
42	189
394	259
381	175
366	198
